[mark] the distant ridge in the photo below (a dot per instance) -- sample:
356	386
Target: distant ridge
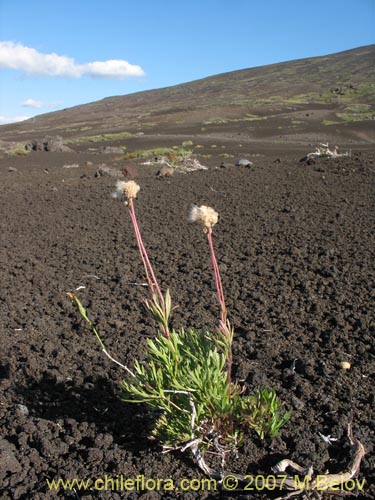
334	93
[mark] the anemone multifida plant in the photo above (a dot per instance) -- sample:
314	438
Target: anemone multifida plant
187	374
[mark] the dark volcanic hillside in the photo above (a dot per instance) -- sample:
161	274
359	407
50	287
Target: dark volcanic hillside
303	100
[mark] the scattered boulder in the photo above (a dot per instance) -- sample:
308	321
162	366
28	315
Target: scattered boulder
105	171
111	150
53	144
244	163
56	145
130	171
165	171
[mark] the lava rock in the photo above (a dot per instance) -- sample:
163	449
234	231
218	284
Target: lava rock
165	172
53	144
111	150
244	163
8	460
130	171
105	171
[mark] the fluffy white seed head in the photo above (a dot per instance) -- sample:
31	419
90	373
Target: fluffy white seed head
126	190
205	215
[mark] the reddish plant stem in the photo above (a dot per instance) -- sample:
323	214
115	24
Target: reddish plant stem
152	281
224	327
140	247
230	359
218	282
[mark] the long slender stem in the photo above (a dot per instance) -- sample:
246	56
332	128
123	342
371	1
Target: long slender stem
83	313
224	327
157	297
140	247
154	285
218	282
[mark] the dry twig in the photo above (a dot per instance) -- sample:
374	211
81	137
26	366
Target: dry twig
305	484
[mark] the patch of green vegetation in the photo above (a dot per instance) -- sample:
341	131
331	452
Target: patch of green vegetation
78	126
275	99
358	108
174	154
20	150
250	117
215	121
312	97
349	92
247	118
100	137
226	155
302	98
356	117
77	129
366	90
13	149
353	113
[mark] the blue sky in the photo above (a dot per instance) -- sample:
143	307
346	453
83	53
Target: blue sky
60	53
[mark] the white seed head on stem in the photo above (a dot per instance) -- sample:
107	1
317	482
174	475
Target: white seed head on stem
205	215
126	190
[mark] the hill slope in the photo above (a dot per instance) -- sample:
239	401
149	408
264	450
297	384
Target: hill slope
331	95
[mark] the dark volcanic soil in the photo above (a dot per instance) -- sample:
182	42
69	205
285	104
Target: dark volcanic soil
295	244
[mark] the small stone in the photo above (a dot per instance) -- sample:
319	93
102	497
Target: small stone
298	403
23	410
345	365
165	172
130	171
244	163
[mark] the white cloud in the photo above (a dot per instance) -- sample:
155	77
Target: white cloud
33	103
114	68
17	56
29	60
12	119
